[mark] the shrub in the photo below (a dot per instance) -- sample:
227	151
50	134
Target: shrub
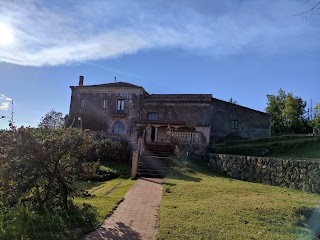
25	222
108	150
91	171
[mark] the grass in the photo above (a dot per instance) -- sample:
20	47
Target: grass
308	152
198	204
289	147
104	197
91	208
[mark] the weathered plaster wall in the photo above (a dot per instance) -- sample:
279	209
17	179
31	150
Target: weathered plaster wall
100	118
298	174
252	124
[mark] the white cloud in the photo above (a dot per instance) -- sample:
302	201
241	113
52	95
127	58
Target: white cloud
4	102
4	106
78	31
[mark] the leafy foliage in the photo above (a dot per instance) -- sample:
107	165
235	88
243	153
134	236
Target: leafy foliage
287	112
108	150
23	222
40	165
52	119
315	122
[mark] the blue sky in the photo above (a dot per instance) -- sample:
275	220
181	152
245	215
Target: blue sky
238	48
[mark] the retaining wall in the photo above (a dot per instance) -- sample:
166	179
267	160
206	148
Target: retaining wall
298	174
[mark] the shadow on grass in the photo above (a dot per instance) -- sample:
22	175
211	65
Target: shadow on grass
182	171
188	172
119	231
86	185
182	174
309	218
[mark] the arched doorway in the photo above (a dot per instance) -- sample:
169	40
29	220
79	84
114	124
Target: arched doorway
118	128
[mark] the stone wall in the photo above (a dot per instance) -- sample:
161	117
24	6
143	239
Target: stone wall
298	174
97	118
251	123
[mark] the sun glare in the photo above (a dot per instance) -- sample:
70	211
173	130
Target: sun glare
6	35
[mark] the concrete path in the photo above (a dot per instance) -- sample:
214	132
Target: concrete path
136	216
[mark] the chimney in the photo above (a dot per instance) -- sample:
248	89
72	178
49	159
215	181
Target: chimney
81	78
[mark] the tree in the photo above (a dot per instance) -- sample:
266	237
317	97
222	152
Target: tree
52	119
40	165
287	112
315	122
313	10
275	108
293	112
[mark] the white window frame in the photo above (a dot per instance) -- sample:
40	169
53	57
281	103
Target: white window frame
104	103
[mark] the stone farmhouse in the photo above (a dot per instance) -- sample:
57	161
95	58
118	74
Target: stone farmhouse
121	108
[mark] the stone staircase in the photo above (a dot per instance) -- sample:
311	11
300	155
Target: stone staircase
155	161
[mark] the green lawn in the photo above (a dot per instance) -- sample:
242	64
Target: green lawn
198	204
295	147
105	196
312	151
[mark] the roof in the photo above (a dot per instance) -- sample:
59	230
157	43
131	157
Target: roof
116	85
171	122
113	85
232	104
178	98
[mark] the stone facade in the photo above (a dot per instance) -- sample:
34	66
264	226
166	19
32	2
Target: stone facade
298	174
100	107
228	118
122	108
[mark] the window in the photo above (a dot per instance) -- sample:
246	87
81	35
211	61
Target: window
118	127
153	116
234	124
120	104
104	103
82	103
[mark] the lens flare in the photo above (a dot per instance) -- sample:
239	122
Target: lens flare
6	35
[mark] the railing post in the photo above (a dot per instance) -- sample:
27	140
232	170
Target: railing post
134	167
141	146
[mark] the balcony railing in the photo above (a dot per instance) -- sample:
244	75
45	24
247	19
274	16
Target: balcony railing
192	137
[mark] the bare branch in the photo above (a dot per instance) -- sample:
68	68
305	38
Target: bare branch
315	10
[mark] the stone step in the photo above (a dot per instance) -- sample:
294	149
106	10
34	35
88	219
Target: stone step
159	154
157	146
154	165
155	161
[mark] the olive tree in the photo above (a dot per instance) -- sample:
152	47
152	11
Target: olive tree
40	165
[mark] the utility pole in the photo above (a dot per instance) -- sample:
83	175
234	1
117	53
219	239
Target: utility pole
11	120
